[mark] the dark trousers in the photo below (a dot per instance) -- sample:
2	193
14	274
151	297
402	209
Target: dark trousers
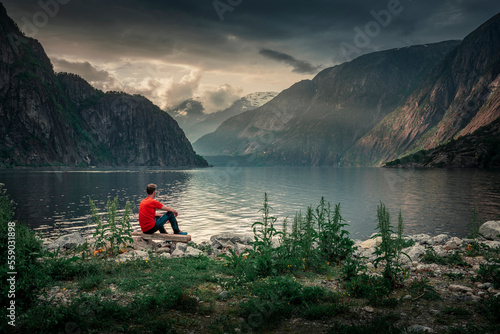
161	221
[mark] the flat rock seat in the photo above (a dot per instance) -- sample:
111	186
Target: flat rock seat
163	236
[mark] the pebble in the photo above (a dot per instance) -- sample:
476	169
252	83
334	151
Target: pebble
368	309
459	288
419	329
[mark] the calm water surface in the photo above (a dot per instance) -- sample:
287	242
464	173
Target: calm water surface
219	200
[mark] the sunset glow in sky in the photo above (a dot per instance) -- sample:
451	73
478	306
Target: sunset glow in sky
218	51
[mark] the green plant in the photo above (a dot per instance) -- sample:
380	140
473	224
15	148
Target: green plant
333	239
489	307
489	273
453	276
276	298
263	252
369	287
420	288
90	282
474	225
456	311
474	248
390	249
454	259
351	267
114	232
235	261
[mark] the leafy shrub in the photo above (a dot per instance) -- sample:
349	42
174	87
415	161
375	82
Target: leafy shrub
474	224
390	249
281	297
351	267
114	232
333	239
369	287
454	259
489	273
420	288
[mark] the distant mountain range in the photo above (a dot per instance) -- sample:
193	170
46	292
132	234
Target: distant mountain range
376	108
59	119
196	123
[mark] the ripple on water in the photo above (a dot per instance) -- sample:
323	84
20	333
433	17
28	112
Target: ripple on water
212	201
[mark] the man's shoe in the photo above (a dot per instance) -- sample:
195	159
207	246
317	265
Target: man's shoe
182	233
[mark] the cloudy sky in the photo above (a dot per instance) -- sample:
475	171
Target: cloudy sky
217	51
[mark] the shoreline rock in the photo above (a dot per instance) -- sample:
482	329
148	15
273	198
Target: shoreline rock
442	244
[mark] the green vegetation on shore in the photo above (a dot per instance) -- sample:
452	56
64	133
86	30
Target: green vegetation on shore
305	277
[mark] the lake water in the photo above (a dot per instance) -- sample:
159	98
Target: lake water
219	200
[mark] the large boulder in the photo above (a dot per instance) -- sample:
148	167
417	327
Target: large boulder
421	238
490	230
453	243
414	252
440	239
68	241
140	243
177	253
370	243
192	252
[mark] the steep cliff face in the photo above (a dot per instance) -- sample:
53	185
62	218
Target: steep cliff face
48	119
133	131
459	97
480	149
35	123
315	122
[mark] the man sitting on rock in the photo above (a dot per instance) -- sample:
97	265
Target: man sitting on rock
149	220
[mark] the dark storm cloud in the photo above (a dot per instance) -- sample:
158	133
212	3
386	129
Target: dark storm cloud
192	31
299	66
83	69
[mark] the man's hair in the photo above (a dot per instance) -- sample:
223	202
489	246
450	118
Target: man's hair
151	188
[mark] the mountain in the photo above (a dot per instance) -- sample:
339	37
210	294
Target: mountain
195	122
314	122
376	108
480	149
187	113
212	121
60	119
460	96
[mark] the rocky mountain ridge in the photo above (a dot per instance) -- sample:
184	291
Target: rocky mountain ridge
480	149
314	122
376	108
59	119
459	96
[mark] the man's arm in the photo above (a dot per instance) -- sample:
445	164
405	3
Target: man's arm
166	208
